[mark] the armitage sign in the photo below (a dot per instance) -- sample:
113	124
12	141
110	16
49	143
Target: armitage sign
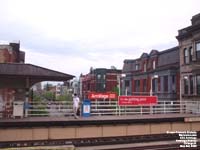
107	95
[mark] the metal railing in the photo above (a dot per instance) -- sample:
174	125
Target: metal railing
112	108
53	108
103	108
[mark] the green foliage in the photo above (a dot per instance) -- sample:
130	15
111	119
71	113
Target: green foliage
36	97
116	90
65	97
49	95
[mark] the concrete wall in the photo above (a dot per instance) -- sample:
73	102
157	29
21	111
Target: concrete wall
73	132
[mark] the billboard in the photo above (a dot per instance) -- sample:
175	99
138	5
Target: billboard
137	100
107	95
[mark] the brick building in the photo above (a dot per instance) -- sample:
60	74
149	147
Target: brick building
100	80
9	53
156	73
189	43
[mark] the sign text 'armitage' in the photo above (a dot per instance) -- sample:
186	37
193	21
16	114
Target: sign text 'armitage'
108	95
137	100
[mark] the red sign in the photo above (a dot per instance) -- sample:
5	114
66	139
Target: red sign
137	100
108	95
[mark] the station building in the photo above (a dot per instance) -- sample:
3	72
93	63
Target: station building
16	77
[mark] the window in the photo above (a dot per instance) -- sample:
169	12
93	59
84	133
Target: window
145	67
88	86
127	83
191	85
154	85
98	76
154	64
137	67
198	84
191	53
173	83
165	83
137	85
145	85
198	50
186	56
186	85
173	79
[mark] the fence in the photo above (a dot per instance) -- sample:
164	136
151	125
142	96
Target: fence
102	108
53	108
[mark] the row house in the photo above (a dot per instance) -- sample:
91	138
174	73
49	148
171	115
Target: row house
189	44
99	80
156	73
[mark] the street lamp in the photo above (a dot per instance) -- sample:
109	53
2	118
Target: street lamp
154	77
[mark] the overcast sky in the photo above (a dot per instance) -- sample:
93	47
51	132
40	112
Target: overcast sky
73	35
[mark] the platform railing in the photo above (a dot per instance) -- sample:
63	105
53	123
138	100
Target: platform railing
52	108
103	108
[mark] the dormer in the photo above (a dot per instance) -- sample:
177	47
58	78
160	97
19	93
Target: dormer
144	56
153	53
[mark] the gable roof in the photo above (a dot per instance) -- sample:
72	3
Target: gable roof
144	55
154	52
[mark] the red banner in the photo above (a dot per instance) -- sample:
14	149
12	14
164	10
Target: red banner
108	95
137	100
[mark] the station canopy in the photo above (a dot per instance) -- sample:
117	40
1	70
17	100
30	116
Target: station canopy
16	75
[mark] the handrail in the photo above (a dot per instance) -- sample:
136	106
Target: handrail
106	107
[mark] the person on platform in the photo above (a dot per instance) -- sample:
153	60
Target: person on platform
76	101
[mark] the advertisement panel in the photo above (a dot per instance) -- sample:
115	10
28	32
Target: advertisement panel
107	95
137	100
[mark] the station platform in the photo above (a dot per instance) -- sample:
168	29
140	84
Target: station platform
96	120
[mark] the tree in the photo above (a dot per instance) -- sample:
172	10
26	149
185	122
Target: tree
49	95
116	90
64	97
36	96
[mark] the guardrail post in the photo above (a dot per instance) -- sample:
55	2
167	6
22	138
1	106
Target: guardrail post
116	108
164	107
119	111
151	109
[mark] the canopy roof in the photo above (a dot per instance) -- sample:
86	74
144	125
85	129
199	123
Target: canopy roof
17	73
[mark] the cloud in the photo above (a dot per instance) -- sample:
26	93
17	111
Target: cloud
72	36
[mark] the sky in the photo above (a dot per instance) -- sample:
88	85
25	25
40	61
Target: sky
71	36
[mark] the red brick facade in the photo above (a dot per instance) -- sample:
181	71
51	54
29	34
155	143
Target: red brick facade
156	73
9	54
100	80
